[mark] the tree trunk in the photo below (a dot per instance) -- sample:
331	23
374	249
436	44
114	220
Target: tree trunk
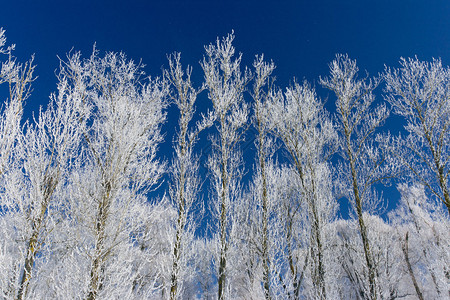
362	227
410	270
94	283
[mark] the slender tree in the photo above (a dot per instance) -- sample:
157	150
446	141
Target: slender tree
120	119
265	150
50	149
45	157
420	92
301	123
186	181
32	167
225	84
18	77
366	159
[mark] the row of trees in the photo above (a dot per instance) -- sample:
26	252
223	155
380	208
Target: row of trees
78	219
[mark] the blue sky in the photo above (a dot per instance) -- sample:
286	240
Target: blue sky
301	37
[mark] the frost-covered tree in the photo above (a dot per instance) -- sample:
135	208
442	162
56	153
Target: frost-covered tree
32	167
152	253
289	254
51	147
420	92
349	260
204	275
120	120
32	202
366	160
185	178
300	122
18	77
265	151
225	85
422	226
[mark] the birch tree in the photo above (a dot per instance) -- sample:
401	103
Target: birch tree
225	85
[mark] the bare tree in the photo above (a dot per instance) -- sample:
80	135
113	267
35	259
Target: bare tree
48	150
120	119
33	166
225	85
18	77
265	151
186	181
289	253
420	92
366	159
300	121
423	233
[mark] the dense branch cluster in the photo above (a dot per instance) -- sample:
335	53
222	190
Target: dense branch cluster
79	219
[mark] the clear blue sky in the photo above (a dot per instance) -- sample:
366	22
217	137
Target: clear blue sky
301	37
